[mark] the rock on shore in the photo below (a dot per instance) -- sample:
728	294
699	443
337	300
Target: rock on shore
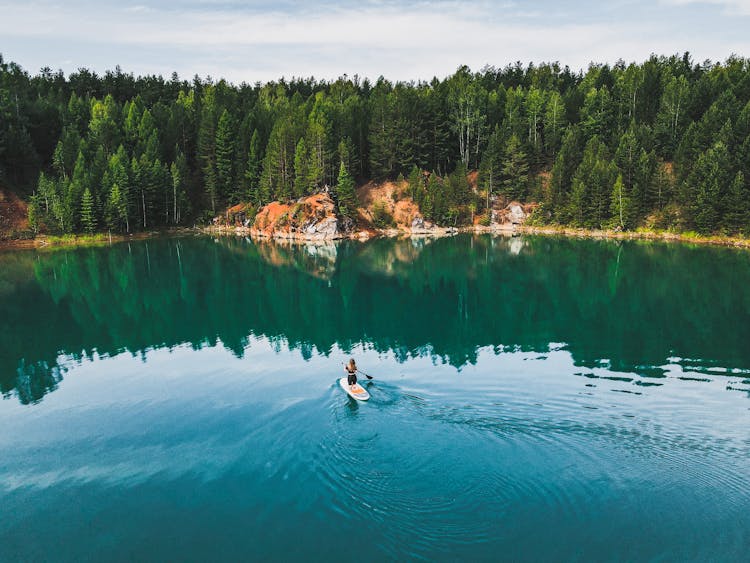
310	218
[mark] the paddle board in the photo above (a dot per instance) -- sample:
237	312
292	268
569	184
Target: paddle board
355	391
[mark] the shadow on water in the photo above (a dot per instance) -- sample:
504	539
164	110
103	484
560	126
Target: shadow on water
635	307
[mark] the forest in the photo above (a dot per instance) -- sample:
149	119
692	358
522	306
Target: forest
661	144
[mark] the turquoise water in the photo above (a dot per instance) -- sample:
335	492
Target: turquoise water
533	399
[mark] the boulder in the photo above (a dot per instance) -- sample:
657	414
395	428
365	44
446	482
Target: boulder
419	225
326	228
516	214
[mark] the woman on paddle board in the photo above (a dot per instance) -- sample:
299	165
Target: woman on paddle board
351	371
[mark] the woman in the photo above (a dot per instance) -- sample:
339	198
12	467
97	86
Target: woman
351	370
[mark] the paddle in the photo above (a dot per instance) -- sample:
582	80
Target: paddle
363	373
360	371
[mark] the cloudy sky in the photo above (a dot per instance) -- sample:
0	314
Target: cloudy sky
262	40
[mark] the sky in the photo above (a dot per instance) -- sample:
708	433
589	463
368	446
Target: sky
409	40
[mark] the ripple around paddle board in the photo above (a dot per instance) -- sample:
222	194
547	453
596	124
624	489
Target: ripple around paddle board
380	477
397	489
386	467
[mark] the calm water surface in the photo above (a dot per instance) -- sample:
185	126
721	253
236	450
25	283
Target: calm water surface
534	399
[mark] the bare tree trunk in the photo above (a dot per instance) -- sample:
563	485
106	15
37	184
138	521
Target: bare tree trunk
143	201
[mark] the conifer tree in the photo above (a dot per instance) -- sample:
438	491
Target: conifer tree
301	171
252	168
737	218
225	188
703	187
179	171
88	215
117	210
415	182
490	169
207	145
515	170
554	122
345	194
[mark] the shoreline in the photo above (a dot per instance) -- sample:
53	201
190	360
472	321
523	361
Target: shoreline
663	236
505	229
53	242
104	239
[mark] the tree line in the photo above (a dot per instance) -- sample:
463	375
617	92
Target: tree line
663	143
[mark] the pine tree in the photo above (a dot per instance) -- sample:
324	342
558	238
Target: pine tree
179	171
207	145
345	194
88	215
224	158
592	186
347	154
34	212
415	182
78	184
534	104
671	117
147	140
702	189
253	168
277	178
117	210
554	123
737	217
515	170
319	141
490	169
301	171
596	114
382	134
563	170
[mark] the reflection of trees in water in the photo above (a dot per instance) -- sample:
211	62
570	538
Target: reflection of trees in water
634	304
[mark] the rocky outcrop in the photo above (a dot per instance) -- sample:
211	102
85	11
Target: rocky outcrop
512	215
311	218
420	226
385	209
326	228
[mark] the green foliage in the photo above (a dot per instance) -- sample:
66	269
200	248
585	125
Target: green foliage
620	206
225	187
34	212
345	194
491	167
207	145
117	210
301	168
592	186
415	182
737	217
252	168
381	217
515	170
88	218
677	133
702	193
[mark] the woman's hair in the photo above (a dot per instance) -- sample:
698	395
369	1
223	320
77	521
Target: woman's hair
352	363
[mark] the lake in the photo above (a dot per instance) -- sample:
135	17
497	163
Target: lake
533	398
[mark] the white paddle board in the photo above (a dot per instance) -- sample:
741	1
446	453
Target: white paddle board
355	391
